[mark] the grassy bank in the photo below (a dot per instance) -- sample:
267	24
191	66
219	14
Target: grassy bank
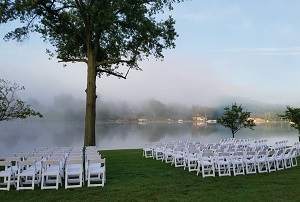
133	178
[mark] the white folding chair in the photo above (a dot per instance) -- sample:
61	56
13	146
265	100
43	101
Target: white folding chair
238	163
38	165
61	159
27	174
148	150
271	160
96	172
207	164
287	156
7	175
223	163
89	157
250	162
261	160
279	158
191	159
168	154
14	162
51	174
158	151
294	155
178	157
73	173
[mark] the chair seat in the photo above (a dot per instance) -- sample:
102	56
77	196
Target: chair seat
74	171
94	170
27	172
51	172
5	173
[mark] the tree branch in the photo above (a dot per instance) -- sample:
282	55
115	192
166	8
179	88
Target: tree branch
73	60
113	73
109	62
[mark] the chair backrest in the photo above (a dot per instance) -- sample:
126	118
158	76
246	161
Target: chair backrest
101	162
224	154
208	154
238	154
74	161
279	153
26	163
5	163
220	150
50	162
74	158
94	156
271	153
13	159
34	158
251	153
23	155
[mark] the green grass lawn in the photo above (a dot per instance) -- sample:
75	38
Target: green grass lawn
130	177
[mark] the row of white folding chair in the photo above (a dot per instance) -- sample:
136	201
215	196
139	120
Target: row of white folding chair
72	172
259	143
187	157
26	173
223	163
53	169
243	142
280	145
156	150
227	141
241	163
74	169
47	168
27	163
18	167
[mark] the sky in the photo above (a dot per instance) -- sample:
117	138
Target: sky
225	49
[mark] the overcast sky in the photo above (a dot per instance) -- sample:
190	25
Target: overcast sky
226	48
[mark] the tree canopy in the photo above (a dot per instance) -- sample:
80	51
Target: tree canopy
110	36
10	106
119	32
235	118
293	115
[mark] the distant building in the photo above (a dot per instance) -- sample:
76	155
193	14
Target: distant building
199	118
143	121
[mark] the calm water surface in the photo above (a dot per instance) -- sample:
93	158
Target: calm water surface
18	136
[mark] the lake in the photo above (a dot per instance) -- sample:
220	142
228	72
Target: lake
17	136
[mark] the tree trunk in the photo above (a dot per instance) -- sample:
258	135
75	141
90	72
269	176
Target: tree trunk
232	134
90	113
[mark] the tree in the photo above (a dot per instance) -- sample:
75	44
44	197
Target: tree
235	118
10	106
293	115
111	37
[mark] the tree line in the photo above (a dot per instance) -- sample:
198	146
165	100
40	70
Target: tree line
68	108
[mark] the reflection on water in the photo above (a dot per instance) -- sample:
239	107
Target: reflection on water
19	136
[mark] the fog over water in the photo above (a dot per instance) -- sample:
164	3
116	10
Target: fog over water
25	135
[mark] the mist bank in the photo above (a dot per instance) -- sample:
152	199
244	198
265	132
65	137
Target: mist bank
66	107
